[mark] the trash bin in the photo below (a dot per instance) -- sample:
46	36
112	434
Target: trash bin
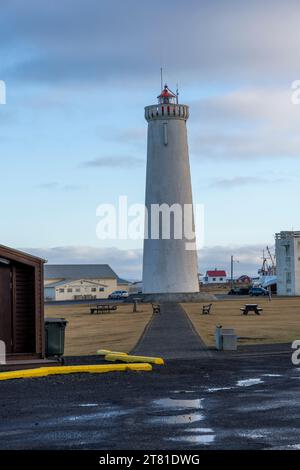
229	342
55	336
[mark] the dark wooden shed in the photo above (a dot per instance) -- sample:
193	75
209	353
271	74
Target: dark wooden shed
21	307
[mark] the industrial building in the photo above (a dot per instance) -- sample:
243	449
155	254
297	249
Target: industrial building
80	281
287	246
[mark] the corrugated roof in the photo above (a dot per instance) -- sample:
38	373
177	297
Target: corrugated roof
122	281
79	271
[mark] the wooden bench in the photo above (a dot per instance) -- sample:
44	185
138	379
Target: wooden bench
251	308
101	308
206	309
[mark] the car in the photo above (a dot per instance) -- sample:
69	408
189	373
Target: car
256	291
118	294
239	291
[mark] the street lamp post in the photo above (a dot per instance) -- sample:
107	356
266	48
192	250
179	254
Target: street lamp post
232	260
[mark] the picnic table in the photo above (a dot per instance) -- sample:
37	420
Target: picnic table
251	308
101	308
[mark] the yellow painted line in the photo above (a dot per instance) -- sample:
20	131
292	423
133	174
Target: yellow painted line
129	358
93	369
103	352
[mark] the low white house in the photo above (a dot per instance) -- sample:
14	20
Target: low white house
75	290
80	281
215	276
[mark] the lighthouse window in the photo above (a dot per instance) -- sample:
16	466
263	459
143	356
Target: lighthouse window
165	133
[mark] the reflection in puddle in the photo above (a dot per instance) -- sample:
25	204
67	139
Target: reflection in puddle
174	403
87	405
257	434
178	419
199	430
196	439
101	414
272	375
218	389
259	407
249	382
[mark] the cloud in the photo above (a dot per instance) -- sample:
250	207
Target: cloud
54	185
248	258
128	263
240	181
125	262
247	124
92	41
131	135
115	161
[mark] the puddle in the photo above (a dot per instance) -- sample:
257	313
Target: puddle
196	439
179	404
178	419
253	435
272	375
217	389
259	407
87	405
101	414
249	382
199	430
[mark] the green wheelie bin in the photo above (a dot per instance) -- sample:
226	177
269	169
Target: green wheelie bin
55	337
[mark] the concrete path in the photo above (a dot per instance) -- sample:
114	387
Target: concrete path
170	334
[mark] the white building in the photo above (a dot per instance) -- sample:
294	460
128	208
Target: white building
287	246
80	281
170	260
215	276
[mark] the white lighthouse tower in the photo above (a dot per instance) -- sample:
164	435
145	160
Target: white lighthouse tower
170	262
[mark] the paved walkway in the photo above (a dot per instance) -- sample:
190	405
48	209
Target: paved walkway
170	334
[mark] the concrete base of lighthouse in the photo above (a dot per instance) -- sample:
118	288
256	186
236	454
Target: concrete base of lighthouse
174	297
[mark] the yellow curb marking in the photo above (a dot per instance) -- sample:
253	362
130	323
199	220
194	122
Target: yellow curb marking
96	369
129	358
103	352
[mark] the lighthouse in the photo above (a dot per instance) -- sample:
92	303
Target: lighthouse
170	256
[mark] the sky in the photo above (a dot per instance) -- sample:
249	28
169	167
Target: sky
78	74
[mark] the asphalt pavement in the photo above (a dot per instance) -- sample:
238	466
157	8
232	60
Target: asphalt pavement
209	403
200	399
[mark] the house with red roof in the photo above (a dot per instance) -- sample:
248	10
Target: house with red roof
215	276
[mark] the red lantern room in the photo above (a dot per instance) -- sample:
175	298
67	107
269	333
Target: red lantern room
167	96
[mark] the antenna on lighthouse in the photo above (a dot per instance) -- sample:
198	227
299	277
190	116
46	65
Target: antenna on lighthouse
177	93
161	78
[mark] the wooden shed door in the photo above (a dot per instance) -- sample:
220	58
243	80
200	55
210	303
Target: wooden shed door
24	309
6	306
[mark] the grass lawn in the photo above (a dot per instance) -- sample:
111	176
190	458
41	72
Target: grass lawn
118	330
278	323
